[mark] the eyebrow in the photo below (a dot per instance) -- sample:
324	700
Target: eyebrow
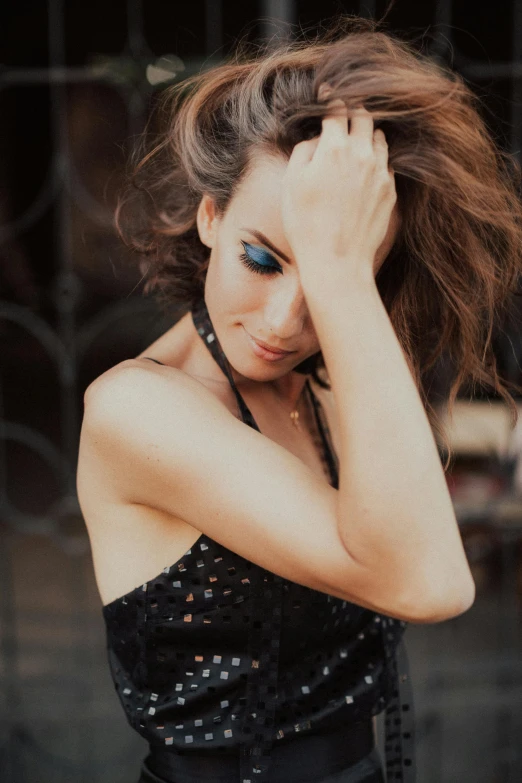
261	237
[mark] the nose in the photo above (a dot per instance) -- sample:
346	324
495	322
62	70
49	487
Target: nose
286	313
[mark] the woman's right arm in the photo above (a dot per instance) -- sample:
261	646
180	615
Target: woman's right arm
166	442
395	512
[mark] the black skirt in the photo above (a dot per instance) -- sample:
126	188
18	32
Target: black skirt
349	755
367	770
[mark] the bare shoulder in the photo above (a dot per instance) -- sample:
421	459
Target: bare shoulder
139	412
137	394
130	379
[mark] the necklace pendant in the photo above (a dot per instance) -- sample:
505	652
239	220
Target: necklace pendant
294	415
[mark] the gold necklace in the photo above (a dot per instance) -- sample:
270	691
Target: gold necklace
294	415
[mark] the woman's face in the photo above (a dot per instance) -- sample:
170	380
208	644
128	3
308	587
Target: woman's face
260	295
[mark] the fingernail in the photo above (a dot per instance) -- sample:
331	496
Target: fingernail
324	90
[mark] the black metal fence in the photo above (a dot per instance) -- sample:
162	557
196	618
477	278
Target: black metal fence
76	81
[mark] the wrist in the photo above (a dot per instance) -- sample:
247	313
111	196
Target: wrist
334	281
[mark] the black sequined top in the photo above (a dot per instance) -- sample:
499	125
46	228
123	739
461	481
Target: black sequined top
217	655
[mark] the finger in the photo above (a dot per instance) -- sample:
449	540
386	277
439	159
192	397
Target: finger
361	126
324	91
379	139
335	122
380	146
303	152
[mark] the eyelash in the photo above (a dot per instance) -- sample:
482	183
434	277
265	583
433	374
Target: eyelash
260	269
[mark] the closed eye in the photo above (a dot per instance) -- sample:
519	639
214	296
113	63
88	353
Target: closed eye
258	260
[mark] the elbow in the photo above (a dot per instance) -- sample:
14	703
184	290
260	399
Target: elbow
453	602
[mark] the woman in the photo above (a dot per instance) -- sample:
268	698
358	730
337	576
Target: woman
334	214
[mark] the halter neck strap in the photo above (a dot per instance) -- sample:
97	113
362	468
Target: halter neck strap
205	329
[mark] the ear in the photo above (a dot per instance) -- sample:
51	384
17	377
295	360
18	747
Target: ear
207	220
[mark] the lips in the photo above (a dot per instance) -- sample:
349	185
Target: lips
269	347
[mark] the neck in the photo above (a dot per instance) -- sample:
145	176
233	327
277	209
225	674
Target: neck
287	390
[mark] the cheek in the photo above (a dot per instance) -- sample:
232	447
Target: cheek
229	285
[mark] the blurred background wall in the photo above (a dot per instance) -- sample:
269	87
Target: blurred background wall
76	84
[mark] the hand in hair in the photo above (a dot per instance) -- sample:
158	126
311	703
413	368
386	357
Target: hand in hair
338	195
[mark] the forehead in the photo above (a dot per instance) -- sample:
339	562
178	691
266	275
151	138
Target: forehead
258	196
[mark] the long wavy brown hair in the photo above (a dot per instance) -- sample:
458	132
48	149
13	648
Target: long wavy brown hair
448	280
